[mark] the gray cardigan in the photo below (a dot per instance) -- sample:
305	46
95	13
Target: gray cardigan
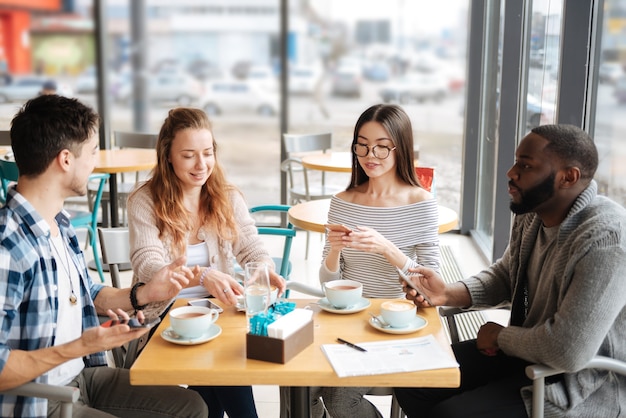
577	312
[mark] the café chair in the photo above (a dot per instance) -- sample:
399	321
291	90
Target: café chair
64	394
115	245
89	219
283	265
8	174
127	140
5	138
298	184
538	373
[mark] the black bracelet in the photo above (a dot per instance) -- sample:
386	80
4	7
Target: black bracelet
133	296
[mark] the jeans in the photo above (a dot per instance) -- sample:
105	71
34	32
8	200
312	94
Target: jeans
107	392
490	387
236	401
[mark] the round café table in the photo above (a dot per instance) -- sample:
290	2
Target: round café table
312	215
125	160
337	162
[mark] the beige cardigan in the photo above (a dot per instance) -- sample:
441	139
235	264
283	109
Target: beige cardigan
148	253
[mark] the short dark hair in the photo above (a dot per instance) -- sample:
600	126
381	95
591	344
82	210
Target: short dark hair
573	146
45	126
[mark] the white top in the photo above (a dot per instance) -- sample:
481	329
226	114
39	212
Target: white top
69	320
414	229
197	255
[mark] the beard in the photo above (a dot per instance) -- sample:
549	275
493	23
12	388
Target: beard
535	196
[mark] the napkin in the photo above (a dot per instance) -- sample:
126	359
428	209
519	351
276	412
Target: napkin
287	324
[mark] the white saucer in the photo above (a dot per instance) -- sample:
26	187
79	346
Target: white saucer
213	332
415	325
361	305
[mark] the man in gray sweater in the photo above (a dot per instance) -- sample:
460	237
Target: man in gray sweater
564	273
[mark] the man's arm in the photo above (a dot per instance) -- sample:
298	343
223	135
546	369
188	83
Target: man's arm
24	366
165	285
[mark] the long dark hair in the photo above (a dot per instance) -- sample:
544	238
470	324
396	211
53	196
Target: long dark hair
398	125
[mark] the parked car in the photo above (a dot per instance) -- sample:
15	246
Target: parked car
224	96
610	72
538	112
416	86
347	81
87	82
176	87
377	71
620	90
303	79
27	87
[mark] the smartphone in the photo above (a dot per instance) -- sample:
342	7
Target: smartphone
133	322
410	283
207	303
338	228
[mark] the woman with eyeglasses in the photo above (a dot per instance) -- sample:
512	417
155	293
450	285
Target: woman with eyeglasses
393	223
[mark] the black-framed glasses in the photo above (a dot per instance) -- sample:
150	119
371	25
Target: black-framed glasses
379	151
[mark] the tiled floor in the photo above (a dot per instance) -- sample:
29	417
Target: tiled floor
306	271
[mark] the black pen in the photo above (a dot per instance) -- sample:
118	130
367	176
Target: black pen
349	344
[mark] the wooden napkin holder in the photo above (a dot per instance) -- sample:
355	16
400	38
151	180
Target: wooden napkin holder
276	350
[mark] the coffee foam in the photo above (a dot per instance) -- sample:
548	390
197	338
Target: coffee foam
397	306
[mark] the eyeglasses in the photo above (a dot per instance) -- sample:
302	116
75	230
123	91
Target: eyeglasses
379	151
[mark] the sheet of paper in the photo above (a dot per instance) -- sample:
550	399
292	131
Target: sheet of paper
391	356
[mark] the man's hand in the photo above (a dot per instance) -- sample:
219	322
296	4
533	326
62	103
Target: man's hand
431	284
487	340
102	339
166	283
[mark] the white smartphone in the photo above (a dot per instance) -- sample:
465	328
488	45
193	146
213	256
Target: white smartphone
207	303
410	283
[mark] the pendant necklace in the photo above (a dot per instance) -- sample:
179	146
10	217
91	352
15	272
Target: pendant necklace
66	269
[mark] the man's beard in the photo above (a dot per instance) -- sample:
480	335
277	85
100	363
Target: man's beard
532	198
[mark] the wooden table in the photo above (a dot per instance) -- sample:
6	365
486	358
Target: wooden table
337	162
223	361
124	160
312	215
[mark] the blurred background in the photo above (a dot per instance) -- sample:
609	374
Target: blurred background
263	67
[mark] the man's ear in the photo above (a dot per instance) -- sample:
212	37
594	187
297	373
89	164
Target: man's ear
569	176
64	159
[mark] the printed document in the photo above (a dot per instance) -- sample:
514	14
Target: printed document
390	356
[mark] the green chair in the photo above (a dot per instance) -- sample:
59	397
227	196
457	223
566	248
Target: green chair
79	219
8	174
89	219
283	265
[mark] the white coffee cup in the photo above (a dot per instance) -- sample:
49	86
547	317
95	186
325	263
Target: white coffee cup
343	293
398	313
192	321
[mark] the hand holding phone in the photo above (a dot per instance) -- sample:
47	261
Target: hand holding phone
408	281
338	228
133	323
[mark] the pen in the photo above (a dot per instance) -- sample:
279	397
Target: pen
349	344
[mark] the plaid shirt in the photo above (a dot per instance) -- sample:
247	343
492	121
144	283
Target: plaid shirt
28	292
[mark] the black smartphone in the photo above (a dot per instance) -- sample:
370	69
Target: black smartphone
205	302
133	322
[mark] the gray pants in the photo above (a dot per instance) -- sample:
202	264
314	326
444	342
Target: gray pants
334	402
107	392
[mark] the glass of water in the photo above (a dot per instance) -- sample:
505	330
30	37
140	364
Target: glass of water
256	289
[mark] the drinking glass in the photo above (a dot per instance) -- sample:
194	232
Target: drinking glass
256	289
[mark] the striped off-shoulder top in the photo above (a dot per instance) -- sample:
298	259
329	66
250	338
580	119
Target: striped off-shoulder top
413	228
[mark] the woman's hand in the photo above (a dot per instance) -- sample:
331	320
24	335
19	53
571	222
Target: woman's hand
278	281
220	285
367	239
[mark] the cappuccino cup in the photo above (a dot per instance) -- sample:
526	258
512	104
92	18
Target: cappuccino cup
398	313
192	321
343	293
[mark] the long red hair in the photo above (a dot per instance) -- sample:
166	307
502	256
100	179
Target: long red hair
172	217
